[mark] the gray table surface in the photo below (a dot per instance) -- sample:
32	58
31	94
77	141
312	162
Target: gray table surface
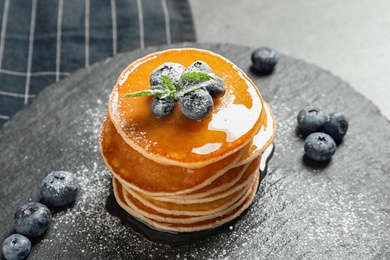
303	210
349	38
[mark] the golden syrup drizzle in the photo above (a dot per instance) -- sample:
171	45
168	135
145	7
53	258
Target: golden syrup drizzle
177	140
153	178
235	119
266	134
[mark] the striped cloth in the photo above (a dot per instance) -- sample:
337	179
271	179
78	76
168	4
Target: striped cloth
43	41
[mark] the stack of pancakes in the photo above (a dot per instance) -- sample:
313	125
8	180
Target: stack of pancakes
178	174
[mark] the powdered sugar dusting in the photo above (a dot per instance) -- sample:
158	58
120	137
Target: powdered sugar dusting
88	218
93	227
301	211
286	126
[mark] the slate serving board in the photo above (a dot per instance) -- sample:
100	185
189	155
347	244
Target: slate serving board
303	210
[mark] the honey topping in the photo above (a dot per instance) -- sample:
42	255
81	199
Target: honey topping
150	177
179	174
177	140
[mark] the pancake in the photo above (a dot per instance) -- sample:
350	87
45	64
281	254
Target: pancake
149	177
188	227
263	139
222	187
182	203
181	175
235	119
179	219
196	209
118	154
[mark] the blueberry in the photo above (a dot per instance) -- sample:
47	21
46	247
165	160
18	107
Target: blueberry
162	107
264	59
312	119
197	104
59	188
16	246
32	219
319	146
216	88
336	126
199	66
170	69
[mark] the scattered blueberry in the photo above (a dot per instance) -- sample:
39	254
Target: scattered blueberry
336	126
264	59
199	66
16	246
311	119
59	188
170	69
32	219
162	107
319	146
196	104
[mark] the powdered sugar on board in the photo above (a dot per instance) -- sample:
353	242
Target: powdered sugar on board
301	211
94	227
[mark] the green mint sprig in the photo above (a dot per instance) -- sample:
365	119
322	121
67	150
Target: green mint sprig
188	82
196	77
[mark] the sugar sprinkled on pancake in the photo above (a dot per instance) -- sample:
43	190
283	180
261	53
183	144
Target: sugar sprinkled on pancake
150	177
145	173
181	175
178	140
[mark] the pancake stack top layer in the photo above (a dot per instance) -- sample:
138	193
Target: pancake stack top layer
178	174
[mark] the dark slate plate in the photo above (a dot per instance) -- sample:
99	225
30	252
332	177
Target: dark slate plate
303	210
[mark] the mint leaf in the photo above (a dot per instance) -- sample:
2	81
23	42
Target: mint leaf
196	77
191	88
145	93
167	87
192	81
189	82
167	83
